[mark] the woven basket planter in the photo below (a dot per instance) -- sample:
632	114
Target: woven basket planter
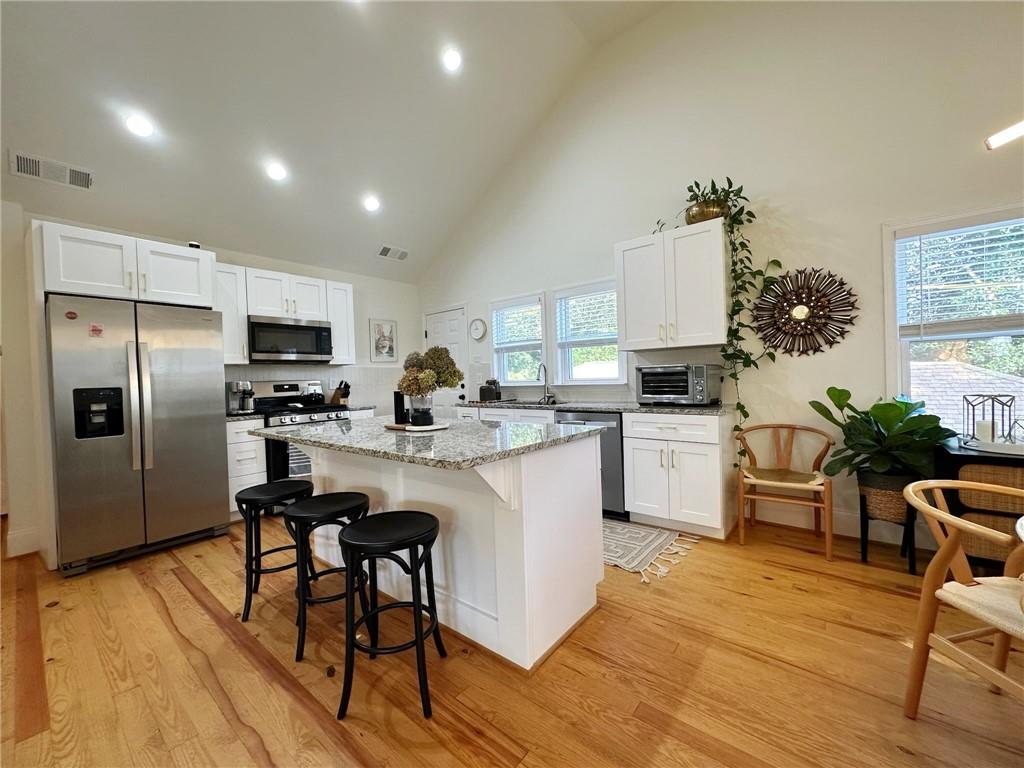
884	495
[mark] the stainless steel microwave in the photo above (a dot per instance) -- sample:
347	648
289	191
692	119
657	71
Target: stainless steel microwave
688	384
289	340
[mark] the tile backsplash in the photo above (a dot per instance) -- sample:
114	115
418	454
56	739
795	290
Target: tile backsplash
371	384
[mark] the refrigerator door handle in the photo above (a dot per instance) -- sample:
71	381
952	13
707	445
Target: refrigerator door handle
147	404
133	403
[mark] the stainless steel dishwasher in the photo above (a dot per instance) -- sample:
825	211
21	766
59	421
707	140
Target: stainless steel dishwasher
612	494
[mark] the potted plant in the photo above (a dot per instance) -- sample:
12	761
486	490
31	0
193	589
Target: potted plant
713	201
889	445
424	374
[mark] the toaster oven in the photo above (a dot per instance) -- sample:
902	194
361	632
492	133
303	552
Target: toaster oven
687	384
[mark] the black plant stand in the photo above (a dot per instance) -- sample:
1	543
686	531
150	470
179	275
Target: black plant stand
908	545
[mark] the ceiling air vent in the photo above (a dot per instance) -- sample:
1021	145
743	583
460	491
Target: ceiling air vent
392	253
35	167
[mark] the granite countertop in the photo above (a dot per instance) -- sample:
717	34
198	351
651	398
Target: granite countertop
463	445
251	416
688	410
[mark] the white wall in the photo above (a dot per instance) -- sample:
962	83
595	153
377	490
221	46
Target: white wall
28	460
835	117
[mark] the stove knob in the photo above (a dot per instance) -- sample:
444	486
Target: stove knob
293	419
332	416
313	417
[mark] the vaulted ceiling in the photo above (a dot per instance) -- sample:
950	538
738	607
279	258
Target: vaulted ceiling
351	97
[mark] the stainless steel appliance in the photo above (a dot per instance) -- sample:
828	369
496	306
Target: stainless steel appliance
613	498
138	413
289	340
239	397
286	403
687	384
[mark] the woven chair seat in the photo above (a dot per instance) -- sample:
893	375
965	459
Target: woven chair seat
995	600
783	478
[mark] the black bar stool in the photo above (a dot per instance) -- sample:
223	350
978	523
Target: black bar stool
251	503
303	517
380	536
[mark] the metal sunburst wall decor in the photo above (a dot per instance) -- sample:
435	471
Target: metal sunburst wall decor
803	311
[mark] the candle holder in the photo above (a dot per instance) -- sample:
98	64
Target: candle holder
989	418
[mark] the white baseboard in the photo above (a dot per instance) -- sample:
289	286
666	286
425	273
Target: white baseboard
22	542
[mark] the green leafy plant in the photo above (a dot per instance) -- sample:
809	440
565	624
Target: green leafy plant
891	437
425	372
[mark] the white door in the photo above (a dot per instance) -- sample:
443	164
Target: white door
695	487
341	313
229	300
267	293
448	329
645	472
695	297
175	274
88	262
640	275
309	298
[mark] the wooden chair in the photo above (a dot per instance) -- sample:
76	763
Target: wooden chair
995	600
782	476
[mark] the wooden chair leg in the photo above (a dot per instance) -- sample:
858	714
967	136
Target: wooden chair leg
926	615
827	511
740	503
753	510
1000	655
817	522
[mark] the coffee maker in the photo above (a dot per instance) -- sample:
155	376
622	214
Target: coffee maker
240	397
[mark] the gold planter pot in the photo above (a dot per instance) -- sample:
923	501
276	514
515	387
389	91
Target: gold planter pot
711	209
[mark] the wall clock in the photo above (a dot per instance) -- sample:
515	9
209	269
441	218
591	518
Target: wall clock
477	329
804	311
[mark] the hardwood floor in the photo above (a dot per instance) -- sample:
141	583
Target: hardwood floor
763	655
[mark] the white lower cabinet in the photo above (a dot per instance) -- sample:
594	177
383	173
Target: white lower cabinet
524	415
364	414
695	484
645	475
247	459
467	413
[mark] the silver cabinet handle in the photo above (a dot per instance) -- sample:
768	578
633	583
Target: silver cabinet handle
131	281
661	457
286	305
133	402
295	309
661	331
147	406
243	349
673	452
671	330
143	283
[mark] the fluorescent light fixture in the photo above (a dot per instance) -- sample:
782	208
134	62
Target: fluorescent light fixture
371	202
1011	133
140	125
451	59
276	171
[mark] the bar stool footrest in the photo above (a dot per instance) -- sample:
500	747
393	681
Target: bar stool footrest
384	650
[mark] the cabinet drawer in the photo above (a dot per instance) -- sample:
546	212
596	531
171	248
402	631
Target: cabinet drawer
236	484
534	416
246	458
471	414
356	415
237	431
668	426
497	414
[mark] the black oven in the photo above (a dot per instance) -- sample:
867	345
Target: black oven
290	340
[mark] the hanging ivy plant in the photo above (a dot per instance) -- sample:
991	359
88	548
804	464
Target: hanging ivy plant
747	282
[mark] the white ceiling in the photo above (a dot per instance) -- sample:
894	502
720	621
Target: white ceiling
349	96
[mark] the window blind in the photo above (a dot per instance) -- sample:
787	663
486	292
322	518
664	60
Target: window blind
586	317
961	282
518	325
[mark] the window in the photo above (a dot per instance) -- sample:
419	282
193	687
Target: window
960	314
587	334
517	328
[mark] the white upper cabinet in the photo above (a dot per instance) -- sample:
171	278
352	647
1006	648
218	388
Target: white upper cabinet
309	298
672	288
175	274
229	299
341	314
278	294
85	261
695	295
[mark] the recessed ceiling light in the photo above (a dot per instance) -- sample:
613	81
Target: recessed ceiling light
1004	136
451	59
276	171
140	125
371	202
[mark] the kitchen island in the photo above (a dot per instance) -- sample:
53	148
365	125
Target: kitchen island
519	555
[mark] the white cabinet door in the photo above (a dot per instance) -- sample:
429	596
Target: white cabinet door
175	274
88	262
467	413
267	293
341	313
497	414
309	297
229	300
535	416
695	288
640	275
695	483
645	471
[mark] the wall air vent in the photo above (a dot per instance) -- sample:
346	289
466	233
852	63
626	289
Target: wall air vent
393	254
35	167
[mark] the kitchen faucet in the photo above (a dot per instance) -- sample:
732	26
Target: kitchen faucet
547	398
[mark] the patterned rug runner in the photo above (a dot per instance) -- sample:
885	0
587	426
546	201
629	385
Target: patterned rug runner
644	549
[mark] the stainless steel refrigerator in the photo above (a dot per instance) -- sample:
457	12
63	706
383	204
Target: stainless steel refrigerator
138	413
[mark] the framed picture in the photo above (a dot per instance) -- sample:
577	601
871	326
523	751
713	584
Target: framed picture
383	341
